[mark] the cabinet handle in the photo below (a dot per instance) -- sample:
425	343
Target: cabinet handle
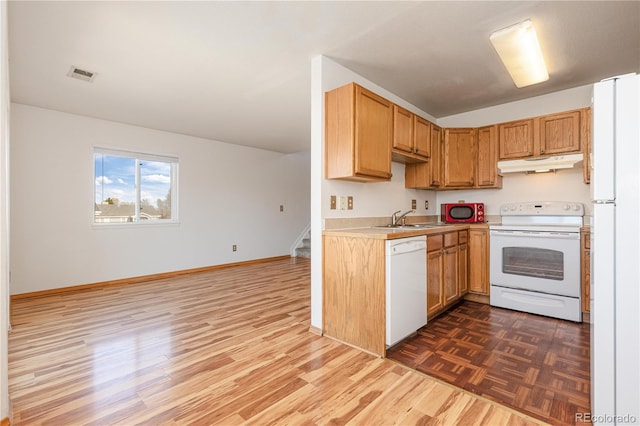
490	182
417	150
542	151
530	153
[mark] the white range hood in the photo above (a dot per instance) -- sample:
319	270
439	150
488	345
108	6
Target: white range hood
540	164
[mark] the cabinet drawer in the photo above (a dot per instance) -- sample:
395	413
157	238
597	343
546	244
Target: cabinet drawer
451	239
463	237
434	242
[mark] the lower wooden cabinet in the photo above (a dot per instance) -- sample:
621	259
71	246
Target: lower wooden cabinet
479	260
447	264
435	295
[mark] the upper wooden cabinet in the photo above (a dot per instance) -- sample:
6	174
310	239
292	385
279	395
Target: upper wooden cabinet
411	136
358	134
516	139
553	134
487	170
459	158
427	175
560	133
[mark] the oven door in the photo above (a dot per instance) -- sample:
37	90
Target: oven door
540	261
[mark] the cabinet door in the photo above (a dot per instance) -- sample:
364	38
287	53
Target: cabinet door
418	175
451	290
436	156
487	171
459	158
421	137
373	134
560	133
516	139
479	261
463	272
435	296
402	129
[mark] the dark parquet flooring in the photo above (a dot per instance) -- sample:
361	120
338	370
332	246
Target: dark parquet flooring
537	365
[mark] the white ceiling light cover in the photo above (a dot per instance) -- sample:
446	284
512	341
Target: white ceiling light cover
520	53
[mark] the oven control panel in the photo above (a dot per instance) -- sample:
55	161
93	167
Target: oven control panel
542	208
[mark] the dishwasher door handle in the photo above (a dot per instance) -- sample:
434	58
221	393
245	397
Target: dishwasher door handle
407	247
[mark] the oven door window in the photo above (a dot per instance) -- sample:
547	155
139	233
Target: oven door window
533	262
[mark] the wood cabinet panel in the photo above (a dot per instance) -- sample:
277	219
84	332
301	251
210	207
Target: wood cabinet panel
487	166
374	131
427	175
437	140
463	269
435	294
358	134
354	292
560	133
479	261
451	285
447	264
402	129
516	139
459	158
434	242
422	136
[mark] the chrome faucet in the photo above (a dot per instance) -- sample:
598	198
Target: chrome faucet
395	218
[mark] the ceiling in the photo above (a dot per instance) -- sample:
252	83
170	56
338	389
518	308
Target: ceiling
239	72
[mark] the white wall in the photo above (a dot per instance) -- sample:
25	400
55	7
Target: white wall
228	194
5	407
383	198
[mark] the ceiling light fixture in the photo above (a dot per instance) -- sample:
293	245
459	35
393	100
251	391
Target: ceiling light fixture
520	52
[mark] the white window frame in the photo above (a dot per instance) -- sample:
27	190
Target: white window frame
137	156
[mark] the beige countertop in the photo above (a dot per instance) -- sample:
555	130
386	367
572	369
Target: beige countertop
383	233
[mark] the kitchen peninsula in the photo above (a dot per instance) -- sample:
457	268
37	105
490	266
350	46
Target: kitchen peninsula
354	277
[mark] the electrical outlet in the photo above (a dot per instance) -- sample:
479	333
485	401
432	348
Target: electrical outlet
414	204
333	202
349	202
343	203
281	207
426	204
234	248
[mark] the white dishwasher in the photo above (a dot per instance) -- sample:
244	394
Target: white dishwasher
406	287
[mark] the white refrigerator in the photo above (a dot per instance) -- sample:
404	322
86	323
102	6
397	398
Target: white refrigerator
615	251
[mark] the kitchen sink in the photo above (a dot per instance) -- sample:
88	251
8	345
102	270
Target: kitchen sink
408	226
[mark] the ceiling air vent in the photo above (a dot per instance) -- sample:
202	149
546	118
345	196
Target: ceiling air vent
81	74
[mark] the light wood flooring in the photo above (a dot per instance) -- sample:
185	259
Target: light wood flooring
224	347
535	364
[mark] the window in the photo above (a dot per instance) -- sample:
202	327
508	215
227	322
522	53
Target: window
134	187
